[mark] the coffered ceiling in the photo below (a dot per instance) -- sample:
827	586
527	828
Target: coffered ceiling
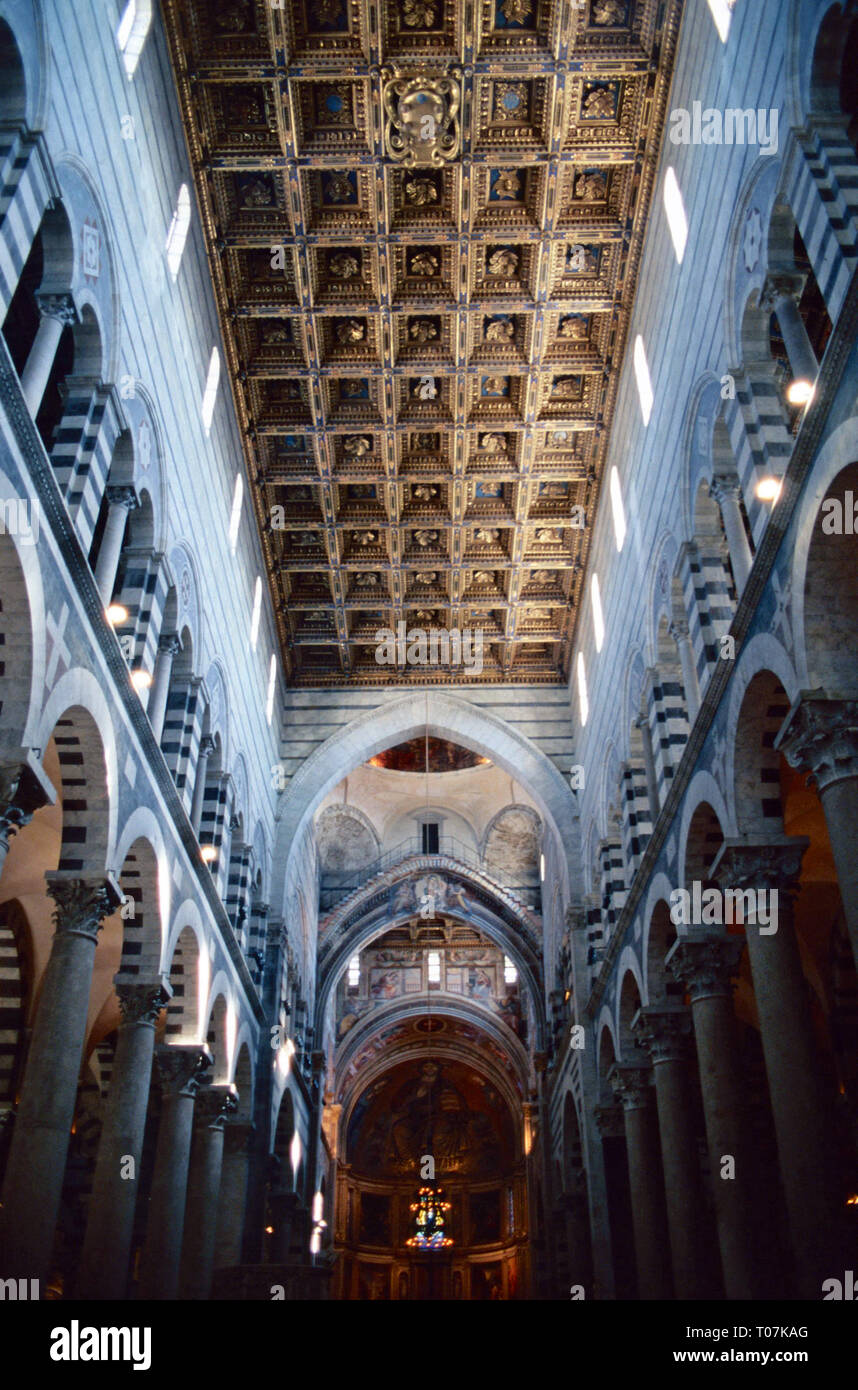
424	221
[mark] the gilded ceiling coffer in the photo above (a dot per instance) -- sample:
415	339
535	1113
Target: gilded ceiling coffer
421	116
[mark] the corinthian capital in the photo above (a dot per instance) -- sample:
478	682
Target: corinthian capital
664	1033
57	306
780	286
821	735
214	1104
181	1067
21	795
773	863
82	902
632	1084
707	964
142	1002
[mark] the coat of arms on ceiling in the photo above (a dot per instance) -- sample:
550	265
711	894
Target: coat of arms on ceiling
421	117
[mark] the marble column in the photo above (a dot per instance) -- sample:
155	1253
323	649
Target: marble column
57	312
213	1105
180	1069
157	705
229	1235
632	1084
796	1086
665	1033
727	491
24	788
574	1204
103	1270
706	965
780	295
207	747
681	634
822	735
40	1139
122	500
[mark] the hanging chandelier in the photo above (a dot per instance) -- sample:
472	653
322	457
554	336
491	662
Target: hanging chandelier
430	1211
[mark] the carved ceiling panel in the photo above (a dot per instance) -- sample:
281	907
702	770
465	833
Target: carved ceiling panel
425	220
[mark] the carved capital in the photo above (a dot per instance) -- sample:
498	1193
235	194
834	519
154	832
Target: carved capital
214	1104
760	865
82	902
780	286
706	965
143	1002
259	909
122	496
21	795
609	1121
725	488
632	1084
207	747
679	630
170	645
665	1034
576	917
822	736
57	306
181	1067
237	1137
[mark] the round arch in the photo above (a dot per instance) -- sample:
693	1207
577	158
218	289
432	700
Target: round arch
448	718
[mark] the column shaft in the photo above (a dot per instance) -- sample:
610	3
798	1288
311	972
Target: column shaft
706	964
37	1156
204	1191
159	1266
56	313
103	1270
796	1089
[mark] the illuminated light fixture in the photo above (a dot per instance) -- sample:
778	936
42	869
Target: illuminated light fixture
800	391
208	854
768	489
618	511
269	1230
598	615
643	379
316	1240
675	209
722	13
567	996
116	613
295	1151
583	701
430	1211
542	867
141	680
852	1199
318	1206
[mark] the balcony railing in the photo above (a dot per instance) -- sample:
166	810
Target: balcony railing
337	886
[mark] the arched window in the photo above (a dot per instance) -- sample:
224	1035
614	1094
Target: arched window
272	682
235	514
178	233
674	207
255	615
598	615
210	393
131	35
583	701
617	509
